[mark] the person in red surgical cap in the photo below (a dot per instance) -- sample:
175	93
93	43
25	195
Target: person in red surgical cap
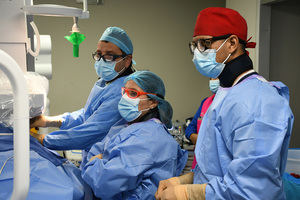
243	140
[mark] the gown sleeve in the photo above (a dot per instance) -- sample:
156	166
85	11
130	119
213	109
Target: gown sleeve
85	134
72	119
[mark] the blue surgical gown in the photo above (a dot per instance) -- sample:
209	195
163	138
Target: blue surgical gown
51	176
135	159
192	127
243	141
83	128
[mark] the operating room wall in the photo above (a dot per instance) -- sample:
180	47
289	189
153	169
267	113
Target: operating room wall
160	31
249	10
284	55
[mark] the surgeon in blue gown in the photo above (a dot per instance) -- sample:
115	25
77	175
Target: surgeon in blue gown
51	176
82	128
133	158
243	140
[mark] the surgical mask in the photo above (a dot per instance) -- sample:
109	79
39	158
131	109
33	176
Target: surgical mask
206	63
214	85
106	70
129	108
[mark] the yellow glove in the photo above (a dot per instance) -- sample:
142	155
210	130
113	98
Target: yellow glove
177	192
96	156
164	184
184	179
196	191
34	133
184	192
34	130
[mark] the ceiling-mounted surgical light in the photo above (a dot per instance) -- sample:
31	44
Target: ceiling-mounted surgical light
57	10
92	2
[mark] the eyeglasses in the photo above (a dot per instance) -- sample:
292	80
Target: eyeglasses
107	57
133	93
203	44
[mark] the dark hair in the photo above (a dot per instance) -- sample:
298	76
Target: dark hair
243	44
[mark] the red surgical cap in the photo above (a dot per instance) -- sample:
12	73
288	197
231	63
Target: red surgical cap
218	21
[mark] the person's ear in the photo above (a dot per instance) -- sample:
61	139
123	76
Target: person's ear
233	43
128	60
154	103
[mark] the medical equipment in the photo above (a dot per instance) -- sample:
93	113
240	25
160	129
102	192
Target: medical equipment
37	88
75	156
21	141
14	45
75	38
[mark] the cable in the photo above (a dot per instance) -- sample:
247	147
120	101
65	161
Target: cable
5	164
37	34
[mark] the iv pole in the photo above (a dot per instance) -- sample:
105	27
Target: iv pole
21	125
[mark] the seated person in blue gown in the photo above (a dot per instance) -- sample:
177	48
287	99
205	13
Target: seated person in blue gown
135	156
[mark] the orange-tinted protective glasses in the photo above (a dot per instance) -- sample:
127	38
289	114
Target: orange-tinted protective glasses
133	93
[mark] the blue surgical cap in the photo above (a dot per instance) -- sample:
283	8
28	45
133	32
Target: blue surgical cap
119	37
151	83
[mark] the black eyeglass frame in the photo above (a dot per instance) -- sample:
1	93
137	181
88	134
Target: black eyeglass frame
206	43
97	56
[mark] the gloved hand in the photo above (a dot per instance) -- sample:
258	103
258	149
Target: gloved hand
96	156
183	192
193	138
177	192
39	137
196	191
164	184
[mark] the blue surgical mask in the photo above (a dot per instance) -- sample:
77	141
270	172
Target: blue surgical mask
129	108
214	85
206	63
106	70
